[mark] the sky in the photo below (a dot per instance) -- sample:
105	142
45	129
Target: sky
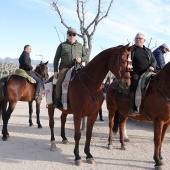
33	22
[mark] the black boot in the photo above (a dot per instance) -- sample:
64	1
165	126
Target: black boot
133	108
57	103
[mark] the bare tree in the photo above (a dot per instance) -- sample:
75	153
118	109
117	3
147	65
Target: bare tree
86	31
150	44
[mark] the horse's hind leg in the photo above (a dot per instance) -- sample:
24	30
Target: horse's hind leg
51	125
158	128
30	113
38	113
90	124
63	122
5	117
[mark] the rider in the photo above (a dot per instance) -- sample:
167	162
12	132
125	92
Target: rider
159	55
25	64
142	60
69	52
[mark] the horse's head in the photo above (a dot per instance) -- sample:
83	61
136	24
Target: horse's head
122	56
42	70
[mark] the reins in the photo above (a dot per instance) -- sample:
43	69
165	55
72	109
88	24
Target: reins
38	74
86	73
93	97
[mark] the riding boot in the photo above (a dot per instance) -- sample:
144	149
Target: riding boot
57	103
133	108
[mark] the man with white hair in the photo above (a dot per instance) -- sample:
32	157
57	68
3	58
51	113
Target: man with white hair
159	55
142	60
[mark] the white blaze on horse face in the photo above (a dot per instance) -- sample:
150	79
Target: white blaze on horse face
129	64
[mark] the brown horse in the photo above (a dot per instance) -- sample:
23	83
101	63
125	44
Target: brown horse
155	107
85	95
16	89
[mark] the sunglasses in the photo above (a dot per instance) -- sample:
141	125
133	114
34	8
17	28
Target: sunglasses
139	38
72	35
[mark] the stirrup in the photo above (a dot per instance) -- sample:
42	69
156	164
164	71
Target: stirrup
133	111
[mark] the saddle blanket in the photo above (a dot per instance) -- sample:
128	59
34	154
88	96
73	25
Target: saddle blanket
141	86
22	73
65	85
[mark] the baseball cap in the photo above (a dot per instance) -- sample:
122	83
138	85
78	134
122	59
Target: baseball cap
165	46
71	30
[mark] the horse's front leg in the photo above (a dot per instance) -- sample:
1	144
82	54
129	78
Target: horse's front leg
30	113
6	114
77	136
38	102
121	130
158	127
63	122
90	124
51	125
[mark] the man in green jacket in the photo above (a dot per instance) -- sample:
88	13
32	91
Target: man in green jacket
69	52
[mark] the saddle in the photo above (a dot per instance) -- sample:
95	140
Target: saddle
23	73
50	87
143	84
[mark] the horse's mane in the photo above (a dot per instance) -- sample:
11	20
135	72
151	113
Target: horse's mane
165	69
109	49
164	73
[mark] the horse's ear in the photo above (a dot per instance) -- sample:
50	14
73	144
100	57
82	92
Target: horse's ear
40	62
125	47
131	48
46	63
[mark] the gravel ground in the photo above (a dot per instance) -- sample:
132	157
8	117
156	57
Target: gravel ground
29	147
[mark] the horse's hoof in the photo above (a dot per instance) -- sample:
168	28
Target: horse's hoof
79	162
5	137
53	146
90	160
123	148
127	140
39	126
31	124
65	142
109	147
158	164
158	168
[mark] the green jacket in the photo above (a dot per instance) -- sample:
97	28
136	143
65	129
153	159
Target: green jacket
67	52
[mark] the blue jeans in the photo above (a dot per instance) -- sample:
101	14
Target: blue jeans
38	84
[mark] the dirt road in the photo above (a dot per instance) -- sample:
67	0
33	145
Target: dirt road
29	147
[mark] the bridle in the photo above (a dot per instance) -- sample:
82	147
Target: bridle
40	76
129	67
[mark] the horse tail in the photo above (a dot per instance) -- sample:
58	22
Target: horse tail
0	110
116	122
2	92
